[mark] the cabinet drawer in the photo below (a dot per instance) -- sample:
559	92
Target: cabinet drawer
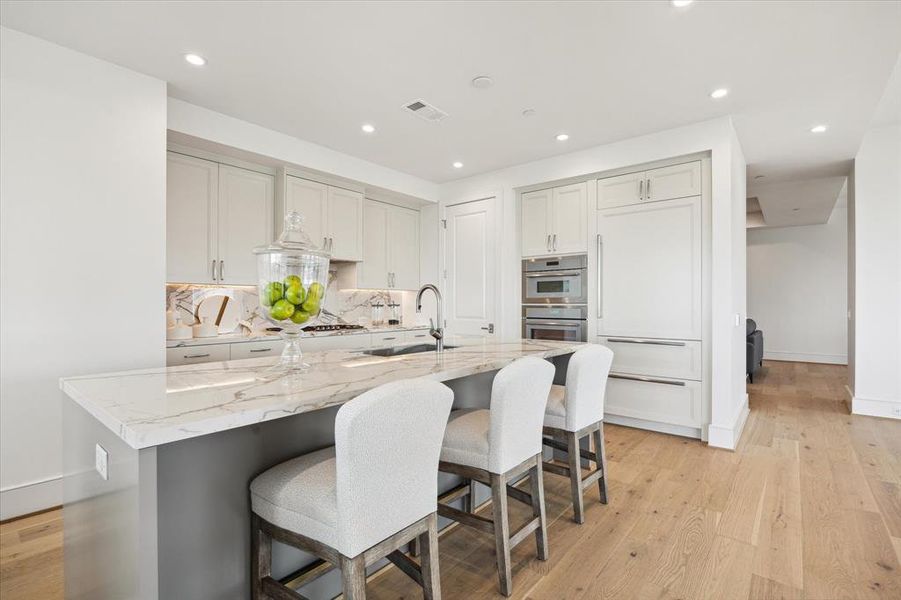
191	355
418	336
392	338
672	401
335	342
257	349
661	358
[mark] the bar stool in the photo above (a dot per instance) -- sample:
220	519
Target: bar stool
494	446
574	412
363	498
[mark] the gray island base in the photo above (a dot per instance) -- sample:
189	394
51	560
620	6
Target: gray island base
172	520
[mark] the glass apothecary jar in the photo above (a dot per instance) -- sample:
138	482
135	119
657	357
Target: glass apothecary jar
293	276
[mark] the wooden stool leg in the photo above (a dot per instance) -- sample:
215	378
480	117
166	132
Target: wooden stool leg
536	479
575	476
260	557
601	458
353	577
471	498
502	532
431	581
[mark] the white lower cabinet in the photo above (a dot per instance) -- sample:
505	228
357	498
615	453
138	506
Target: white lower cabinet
356	341
418	336
192	355
659	399
386	339
664	358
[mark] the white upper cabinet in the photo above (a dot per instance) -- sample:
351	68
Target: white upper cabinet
555	221
678	181
373	271
536	226
332	217
650	270
245	222
216	215
310	200
403	248
665	183
569	218
345	224
390	247
192	192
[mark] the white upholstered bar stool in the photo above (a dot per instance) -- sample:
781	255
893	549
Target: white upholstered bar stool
362	499
575	411
493	446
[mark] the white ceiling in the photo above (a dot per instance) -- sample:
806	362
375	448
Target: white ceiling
791	203
598	71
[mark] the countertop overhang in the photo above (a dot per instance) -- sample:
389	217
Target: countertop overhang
153	407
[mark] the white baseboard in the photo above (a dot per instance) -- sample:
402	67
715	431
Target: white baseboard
829	359
727	437
876	408
30	497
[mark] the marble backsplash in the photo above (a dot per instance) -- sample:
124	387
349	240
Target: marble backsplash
340	306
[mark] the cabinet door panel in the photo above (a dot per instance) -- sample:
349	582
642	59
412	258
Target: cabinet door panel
536	226
674	402
677	181
345	223
661	358
650	261
372	272
246	200
403	248
621	190
192	189
260	349
192	355
569	218
310	199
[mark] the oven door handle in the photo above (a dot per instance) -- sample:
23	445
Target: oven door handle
573	273
534	323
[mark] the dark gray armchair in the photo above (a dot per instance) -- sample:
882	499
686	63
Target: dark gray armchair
754	346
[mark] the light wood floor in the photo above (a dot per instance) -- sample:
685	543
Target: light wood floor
809	506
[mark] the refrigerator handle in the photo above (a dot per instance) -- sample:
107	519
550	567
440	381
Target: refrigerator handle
600	242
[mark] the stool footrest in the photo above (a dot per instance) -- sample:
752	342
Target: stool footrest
524	532
480	523
406	564
275	590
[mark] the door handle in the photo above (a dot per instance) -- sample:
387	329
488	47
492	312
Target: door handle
489	329
213	270
648	379
600	242
649	189
221	270
641	190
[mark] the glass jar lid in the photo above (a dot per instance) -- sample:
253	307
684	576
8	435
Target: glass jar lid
293	240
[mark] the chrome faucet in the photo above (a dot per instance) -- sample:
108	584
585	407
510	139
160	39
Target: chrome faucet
435	332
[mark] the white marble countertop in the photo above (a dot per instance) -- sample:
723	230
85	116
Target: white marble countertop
259	336
158	406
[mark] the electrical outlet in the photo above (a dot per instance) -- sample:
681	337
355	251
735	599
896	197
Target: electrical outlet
896	410
101	461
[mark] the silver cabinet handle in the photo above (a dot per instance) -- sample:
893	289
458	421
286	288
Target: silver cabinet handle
197	355
641	190
388	339
600	242
221	270
262	350
213	270
555	242
325	244
649	342
649	189
648	379
548	243
331	243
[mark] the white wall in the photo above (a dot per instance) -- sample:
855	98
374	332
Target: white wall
82	222
797	289
877	273
216	127
729	402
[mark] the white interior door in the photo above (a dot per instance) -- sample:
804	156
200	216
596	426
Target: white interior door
310	199
192	189
345	223
650	260
471	267
246	208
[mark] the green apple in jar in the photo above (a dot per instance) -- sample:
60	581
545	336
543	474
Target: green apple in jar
295	294
300	316
281	310
292	280
310	305
272	293
316	290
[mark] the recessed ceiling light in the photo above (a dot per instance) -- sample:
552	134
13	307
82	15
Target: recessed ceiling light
818	129
719	93
562	137
458	165
681	3
529	112
482	82
367	128
195	59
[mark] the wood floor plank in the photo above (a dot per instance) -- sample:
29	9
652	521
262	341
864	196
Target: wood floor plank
767	589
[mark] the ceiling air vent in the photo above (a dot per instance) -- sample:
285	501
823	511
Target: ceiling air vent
425	111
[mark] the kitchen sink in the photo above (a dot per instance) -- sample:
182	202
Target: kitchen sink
402	350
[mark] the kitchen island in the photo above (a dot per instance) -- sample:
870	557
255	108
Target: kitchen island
179	447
